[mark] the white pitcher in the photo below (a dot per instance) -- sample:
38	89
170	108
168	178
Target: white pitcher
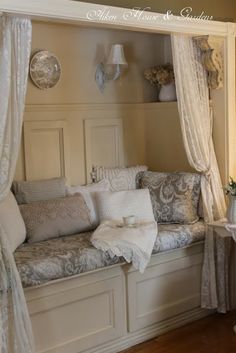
167	93
231	211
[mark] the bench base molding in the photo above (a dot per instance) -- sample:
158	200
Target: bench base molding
111	309
131	339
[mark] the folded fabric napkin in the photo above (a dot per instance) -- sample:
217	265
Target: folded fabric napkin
134	243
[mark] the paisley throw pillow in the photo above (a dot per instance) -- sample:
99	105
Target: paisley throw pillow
175	196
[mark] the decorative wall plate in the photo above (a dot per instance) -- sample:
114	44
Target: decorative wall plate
45	69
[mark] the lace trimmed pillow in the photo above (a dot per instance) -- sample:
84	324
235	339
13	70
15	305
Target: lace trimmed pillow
120	179
54	218
174	196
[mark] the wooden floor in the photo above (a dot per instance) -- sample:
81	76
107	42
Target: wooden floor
213	334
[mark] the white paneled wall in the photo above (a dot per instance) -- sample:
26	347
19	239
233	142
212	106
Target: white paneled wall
110	134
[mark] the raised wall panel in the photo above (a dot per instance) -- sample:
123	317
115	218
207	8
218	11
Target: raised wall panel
103	143
45	145
165	289
131	116
75	314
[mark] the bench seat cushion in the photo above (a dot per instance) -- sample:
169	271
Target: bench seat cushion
42	262
175	236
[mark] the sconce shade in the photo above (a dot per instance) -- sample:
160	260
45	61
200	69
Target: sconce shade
116	55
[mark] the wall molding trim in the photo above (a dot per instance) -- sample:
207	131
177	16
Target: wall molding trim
102	106
150	332
75	12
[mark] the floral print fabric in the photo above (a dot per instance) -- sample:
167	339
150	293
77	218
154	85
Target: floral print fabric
175	196
70	255
175	236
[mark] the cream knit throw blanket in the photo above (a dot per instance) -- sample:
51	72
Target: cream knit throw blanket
134	243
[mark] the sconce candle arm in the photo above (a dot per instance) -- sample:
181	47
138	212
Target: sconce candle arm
115	75
115	62
102	75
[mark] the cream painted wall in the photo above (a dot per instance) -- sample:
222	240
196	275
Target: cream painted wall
80	49
152	132
220	132
72	100
164	144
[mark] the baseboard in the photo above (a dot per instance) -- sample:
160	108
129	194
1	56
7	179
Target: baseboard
152	331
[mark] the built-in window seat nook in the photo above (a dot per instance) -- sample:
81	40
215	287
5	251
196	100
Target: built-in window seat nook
80	298
110	308
117	135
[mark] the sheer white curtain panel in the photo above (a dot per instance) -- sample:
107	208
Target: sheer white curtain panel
196	125
15	45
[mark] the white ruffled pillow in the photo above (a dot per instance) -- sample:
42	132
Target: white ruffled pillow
116	205
12	222
88	192
119	178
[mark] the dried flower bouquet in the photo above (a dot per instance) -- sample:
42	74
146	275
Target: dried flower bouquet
160	75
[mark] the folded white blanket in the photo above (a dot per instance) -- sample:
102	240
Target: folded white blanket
135	243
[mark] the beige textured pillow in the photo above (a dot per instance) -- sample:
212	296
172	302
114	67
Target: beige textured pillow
12	222
54	218
39	190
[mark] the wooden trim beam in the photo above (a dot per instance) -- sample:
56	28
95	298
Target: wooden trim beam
68	11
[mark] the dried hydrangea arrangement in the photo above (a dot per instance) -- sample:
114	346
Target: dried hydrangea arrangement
160	75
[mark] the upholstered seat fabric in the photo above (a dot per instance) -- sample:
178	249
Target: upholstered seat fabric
62	257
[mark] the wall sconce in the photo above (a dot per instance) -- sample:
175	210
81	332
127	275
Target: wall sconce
116	59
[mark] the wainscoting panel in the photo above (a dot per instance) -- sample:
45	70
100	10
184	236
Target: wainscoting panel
103	143
45	145
77	313
115	136
166	288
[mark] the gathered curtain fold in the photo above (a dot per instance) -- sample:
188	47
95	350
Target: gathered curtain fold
15	45
196	122
196	125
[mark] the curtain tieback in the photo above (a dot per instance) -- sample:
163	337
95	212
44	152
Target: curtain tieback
207	174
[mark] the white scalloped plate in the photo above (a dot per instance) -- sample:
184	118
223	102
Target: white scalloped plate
45	69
